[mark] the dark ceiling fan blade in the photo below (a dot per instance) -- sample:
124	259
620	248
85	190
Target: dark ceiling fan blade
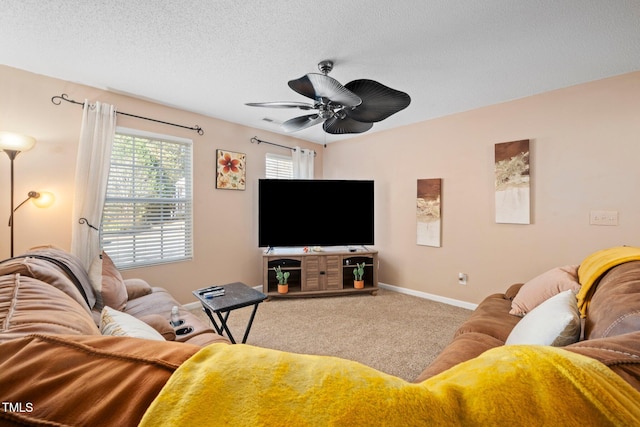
318	86
378	101
282	104
338	126
302	122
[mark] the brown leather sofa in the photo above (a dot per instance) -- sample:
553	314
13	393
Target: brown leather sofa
611	329
73	305
56	366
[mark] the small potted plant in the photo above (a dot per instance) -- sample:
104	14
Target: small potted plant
282	276
358	273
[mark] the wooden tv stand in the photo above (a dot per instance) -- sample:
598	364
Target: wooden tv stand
319	273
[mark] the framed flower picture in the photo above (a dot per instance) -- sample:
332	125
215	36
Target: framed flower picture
230	173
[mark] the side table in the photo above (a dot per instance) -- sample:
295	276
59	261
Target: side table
236	295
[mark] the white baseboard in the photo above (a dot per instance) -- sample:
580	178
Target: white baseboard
432	297
419	294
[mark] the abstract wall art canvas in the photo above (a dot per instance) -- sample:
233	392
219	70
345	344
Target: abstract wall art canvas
428	212
230	173
512	182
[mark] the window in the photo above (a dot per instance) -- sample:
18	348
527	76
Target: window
278	167
147	216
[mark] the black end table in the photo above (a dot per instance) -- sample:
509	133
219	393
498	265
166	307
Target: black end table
236	295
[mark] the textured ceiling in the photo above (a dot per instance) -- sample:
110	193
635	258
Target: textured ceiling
212	56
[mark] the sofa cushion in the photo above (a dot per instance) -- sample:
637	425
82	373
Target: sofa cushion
74	266
45	271
28	306
555	322
119	324
159	301
137	288
615	305
85	380
113	289
542	287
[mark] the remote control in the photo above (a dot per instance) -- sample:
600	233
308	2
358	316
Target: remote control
210	289
212	294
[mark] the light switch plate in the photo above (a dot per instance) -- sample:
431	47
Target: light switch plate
603	218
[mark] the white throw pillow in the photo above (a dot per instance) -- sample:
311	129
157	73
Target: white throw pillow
555	322
119	324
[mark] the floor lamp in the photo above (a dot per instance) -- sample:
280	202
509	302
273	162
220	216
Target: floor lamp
13	144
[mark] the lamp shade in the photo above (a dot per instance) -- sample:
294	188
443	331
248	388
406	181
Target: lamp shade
44	200
16	142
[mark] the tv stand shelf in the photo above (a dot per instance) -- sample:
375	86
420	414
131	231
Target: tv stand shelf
319	273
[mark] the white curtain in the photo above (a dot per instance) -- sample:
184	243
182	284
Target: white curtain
92	171
302	163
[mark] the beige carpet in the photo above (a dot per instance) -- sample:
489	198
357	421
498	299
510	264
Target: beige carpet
395	333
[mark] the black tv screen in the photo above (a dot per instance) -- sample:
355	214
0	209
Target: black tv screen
315	213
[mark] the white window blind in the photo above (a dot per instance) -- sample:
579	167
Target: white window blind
147	217
278	167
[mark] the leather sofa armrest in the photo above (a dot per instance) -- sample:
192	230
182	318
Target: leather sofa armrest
137	288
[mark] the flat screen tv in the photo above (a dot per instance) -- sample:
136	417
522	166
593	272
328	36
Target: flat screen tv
315	213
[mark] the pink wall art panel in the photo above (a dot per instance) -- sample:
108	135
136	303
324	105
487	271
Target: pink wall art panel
428	212
512	182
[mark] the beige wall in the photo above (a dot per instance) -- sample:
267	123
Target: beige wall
225	222
585	151
585	154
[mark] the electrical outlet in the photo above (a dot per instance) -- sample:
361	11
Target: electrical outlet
603	218
462	278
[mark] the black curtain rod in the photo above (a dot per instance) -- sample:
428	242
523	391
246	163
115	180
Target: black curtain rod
255	140
57	100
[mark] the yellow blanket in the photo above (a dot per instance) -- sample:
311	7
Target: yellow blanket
595	265
241	385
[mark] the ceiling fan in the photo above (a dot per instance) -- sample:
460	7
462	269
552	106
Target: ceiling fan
352	108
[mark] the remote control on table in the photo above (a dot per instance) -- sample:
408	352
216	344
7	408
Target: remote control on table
210	289
216	293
